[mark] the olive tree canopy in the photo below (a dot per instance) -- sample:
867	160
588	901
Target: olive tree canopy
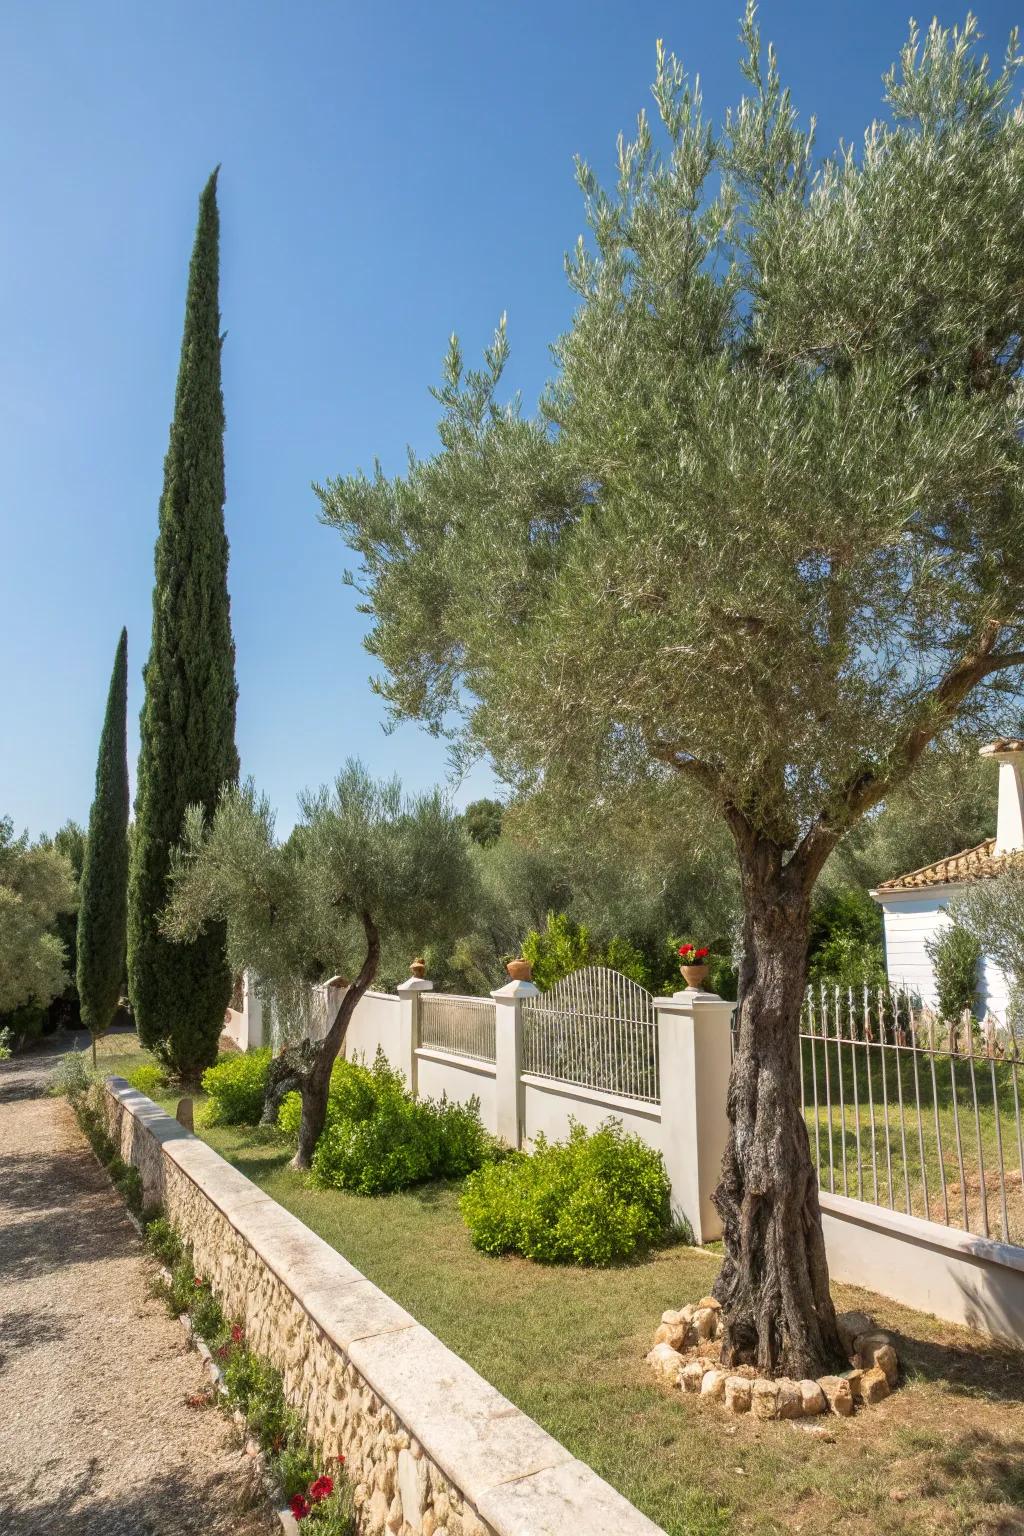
764	532
362	865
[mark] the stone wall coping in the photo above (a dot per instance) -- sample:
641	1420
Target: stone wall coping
522	1480
917	1230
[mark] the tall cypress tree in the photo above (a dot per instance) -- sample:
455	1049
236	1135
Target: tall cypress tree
179	991
103	891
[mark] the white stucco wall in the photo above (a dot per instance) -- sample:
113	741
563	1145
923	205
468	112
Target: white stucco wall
910	919
374	1023
459	1079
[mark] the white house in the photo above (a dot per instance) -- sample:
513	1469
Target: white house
914	905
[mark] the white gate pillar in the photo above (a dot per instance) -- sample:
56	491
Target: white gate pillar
694	1060
410	992
508	1058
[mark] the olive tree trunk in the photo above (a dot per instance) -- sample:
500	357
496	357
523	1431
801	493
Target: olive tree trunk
773	1285
316	1080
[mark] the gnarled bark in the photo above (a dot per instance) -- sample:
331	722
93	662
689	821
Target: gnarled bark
773	1285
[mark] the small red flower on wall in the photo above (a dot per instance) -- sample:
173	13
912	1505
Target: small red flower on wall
237	1334
299	1506
321	1489
199	1282
341	1461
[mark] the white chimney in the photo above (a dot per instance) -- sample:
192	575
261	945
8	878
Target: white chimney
1009	754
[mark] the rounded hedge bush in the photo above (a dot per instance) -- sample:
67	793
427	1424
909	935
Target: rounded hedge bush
597	1198
379	1138
147	1079
236	1087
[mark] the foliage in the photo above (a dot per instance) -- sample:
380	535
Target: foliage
378	1138
597	1198
36	886
72	1077
5	1044
564	946
147	1079
483	821
179	992
162	1241
237	1086
103	894
362	862
70	841
955	955
846	939
992	912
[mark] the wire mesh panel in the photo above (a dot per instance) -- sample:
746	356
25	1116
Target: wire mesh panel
910	1113
459	1026
595	1028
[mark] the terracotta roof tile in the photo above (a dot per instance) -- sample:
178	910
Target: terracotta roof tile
1002	744
978	863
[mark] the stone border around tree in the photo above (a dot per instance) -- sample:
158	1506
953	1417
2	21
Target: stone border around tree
686	1355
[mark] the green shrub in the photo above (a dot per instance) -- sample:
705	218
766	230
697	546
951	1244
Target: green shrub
237	1086
72	1077
147	1079
597	1198
163	1242
955	955
5	1044
378	1138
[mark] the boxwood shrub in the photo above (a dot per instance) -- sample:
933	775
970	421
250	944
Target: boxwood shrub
597	1198
379	1138
236	1086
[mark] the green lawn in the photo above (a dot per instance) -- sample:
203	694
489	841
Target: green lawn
944	1454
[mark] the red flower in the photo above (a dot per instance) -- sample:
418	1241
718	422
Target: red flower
223	1352
341	1461
198	1281
299	1506
321	1489
236	1334
685	949
701	954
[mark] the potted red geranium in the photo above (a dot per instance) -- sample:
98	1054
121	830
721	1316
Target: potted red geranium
693	962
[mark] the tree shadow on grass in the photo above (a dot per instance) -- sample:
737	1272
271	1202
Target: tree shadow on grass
984	1368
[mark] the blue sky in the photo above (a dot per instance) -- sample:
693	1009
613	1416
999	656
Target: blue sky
391	172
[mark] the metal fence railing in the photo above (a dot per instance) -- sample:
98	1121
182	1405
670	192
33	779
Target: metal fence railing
596	1028
908	1113
459	1026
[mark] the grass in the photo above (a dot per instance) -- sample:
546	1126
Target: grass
945	1454
929	1162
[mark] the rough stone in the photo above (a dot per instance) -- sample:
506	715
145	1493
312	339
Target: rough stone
764	1399
854	1376
704	1322
709	1301
838	1395
812	1398
691	1377
673	1334
790	1401
671	1319
737	1394
666	1361
851	1325
713	1384
874	1385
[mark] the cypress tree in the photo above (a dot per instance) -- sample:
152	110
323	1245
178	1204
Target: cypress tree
103	891
179	991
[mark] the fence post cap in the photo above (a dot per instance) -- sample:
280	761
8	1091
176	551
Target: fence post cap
513	989
414	984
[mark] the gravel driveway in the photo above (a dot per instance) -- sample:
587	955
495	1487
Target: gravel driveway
96	1436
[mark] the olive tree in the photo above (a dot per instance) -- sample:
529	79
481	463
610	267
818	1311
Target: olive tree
36	886
992	913
764	533
362	865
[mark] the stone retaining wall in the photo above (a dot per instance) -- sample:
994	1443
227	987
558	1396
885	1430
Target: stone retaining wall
430	1446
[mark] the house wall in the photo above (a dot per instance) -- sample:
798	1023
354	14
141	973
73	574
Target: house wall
910	919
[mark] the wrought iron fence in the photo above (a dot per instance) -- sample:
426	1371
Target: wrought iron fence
459	1026
596	1028
912	1114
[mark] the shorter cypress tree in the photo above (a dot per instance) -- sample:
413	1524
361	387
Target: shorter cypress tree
103	912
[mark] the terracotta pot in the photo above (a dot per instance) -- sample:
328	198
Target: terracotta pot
520	970
694	975
418	968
